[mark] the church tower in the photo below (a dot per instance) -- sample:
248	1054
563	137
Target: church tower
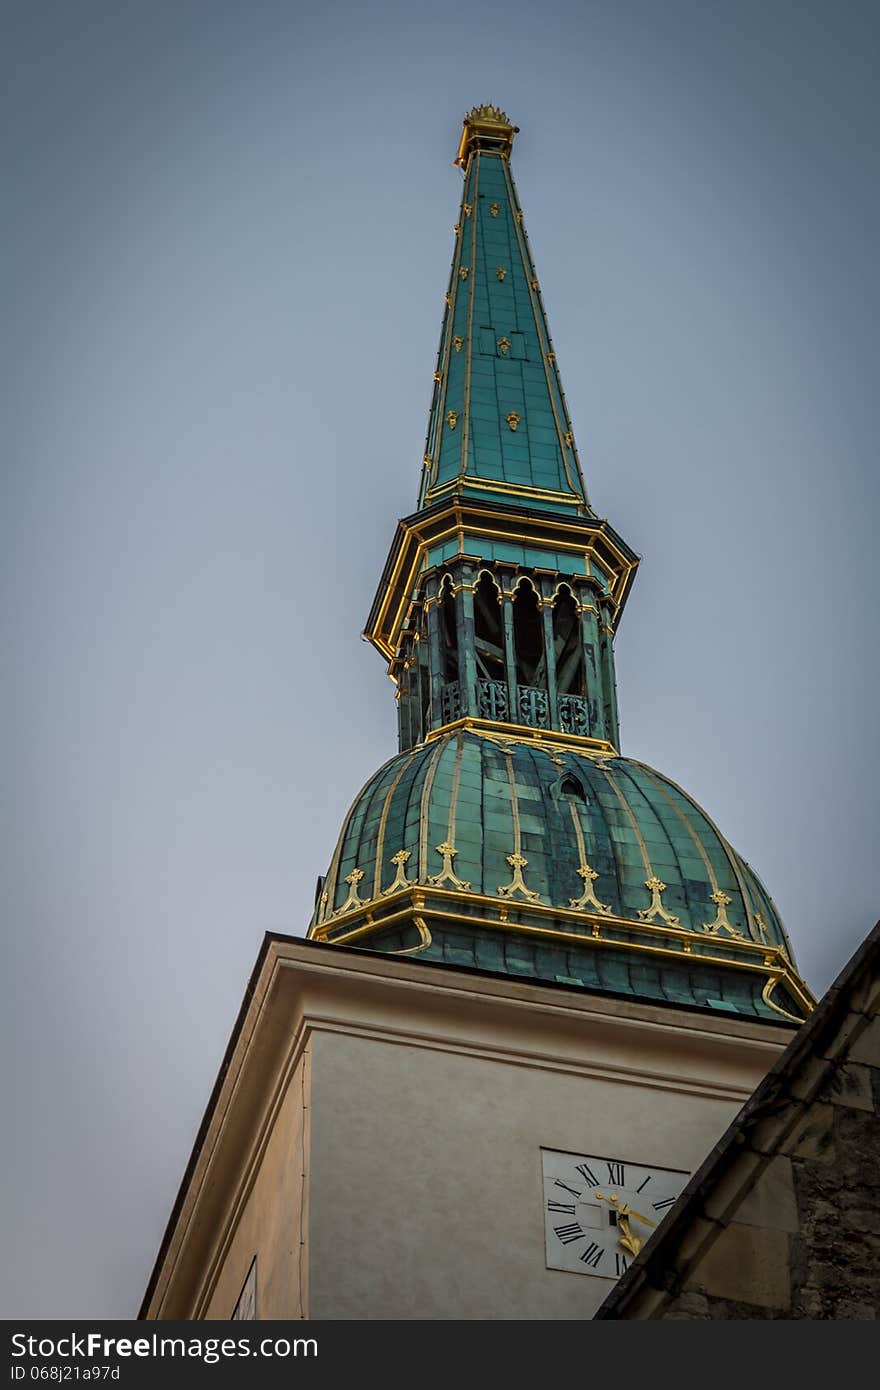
538	982
509	834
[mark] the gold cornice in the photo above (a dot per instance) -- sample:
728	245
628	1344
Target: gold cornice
522	733
462	517
666	942
521	490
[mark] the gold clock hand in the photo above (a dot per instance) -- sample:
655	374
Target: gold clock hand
627	1238
623	1209
636	1215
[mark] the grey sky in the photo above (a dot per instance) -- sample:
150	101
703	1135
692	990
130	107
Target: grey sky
227	229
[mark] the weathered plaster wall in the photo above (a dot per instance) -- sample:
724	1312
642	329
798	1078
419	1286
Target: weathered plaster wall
426	1196
272	1222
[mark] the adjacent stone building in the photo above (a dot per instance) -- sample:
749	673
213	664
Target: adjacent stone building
782	1220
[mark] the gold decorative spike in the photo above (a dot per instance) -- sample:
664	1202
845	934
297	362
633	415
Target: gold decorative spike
516	885
401	881
504	346
427	461
500	273
518	215
352	879
458	342
588	897
452	419
569	439
551	358
448	299
488	112
722	901
513	420
438	376
448	852
762	928
534	282
468	209
323	908
457	228
463	273
656	886
494	209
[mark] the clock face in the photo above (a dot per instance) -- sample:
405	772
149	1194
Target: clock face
598	1212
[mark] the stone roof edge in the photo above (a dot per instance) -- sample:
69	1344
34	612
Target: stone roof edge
772	1106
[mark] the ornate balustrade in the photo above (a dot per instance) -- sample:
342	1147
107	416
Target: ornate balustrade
533	707
492	699
574	714
450	702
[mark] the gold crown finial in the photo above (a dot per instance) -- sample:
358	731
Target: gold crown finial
487	128
488	112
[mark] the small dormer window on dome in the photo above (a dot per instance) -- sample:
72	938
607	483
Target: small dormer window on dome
571	787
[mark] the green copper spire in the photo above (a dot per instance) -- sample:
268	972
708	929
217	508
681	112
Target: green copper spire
509	833
503	591
498	424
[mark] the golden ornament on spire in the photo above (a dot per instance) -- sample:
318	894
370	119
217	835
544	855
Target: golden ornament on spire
486	128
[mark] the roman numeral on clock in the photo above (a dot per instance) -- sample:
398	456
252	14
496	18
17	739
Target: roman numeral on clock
666	1202
561	1206
567	1234
592	1255
620	1262
575	1191
616	1173
587	1174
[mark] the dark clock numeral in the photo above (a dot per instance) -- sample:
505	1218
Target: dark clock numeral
644	1184
616	1173
575	1191
567	1234
561	1206
587	1174
621	1263
666	1202
592	1255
